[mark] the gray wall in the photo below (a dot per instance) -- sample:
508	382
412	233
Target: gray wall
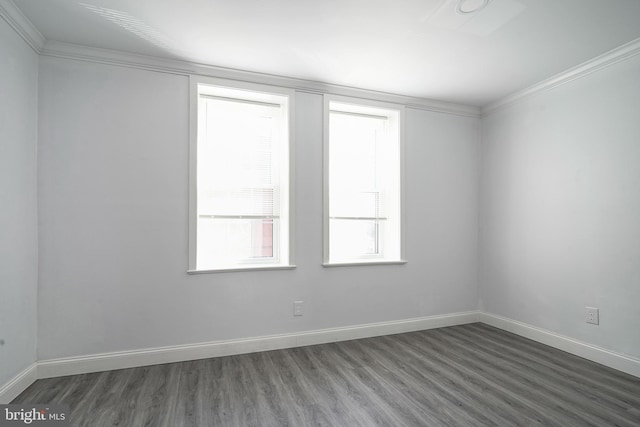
560	209
18	203
113	224
559	190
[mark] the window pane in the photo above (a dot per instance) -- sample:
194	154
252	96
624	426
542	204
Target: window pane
239	143
262	239
227	240
363	188
359	204
237	174
354	179
241	216
353	238
353	151
239	201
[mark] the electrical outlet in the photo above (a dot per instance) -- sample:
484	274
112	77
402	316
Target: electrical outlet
593	315
297	308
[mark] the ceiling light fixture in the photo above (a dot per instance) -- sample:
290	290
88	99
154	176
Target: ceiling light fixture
466	7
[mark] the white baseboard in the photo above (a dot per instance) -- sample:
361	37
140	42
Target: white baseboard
129	359
18	384
153	356
621	362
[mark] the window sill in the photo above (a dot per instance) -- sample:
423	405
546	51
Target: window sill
232	269
367	262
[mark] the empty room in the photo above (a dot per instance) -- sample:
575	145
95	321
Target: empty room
336	213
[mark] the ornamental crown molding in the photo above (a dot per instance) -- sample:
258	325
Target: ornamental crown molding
601	62
16	19
32	36
180	67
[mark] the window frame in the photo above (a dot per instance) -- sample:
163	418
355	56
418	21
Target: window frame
380	108
285	261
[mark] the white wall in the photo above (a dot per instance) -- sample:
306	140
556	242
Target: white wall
18	203
560	209
113	224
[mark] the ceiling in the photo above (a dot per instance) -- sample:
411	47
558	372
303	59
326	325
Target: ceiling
420	48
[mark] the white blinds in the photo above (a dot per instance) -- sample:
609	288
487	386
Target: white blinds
238	171
355	166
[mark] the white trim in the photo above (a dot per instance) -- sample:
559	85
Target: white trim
621	53
292	180
382	110
403	182
193	176
185	68
326	100
621	362
21	25
247	268
129	359
285	246
18	384
351	264
154	356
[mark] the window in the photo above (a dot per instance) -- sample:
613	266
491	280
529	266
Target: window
363	182
240	177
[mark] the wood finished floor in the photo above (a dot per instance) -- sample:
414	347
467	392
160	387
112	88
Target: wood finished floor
471	375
